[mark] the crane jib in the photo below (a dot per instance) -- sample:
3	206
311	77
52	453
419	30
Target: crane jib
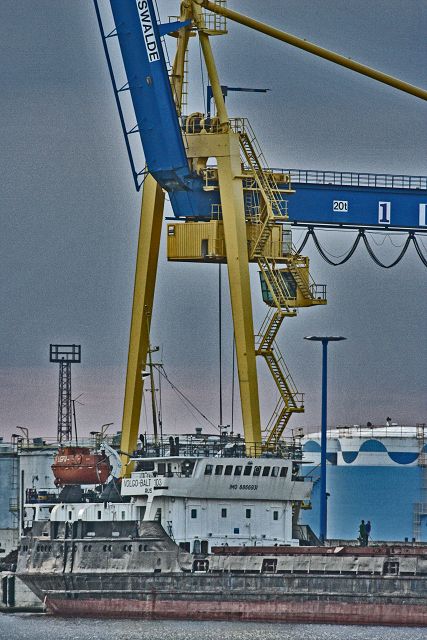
148	81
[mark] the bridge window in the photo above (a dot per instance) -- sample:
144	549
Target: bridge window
147	465
266	471
275	472
247	470
257	471
238	470
223	513
194	513
248	513
283	472
99	515
228	470
208	470
275	515
185	546
218	470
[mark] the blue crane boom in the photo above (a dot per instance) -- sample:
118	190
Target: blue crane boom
148	82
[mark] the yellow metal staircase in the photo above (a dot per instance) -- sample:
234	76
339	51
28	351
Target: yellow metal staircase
290	401
278	288
271	204
301	277
284	288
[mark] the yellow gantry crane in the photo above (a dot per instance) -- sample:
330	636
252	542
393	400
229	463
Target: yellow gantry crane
233	212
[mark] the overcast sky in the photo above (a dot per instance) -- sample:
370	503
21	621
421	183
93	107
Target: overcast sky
69	214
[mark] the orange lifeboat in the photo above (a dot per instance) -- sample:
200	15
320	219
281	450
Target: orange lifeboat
78	465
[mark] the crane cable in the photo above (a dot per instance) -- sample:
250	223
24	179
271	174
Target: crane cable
182	396
362	236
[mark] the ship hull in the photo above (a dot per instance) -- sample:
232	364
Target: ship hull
303	611
320	599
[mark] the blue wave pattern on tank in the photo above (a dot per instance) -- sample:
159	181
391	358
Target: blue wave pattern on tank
368	446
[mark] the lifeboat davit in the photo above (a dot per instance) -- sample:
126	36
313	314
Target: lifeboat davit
78	465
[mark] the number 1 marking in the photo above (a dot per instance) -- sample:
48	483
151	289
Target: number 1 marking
423	221
384	212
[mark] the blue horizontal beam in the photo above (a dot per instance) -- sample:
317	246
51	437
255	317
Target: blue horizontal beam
382	207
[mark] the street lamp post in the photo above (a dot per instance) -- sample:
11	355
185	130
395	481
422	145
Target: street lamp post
323	495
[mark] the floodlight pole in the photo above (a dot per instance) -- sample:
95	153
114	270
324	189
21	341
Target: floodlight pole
323	526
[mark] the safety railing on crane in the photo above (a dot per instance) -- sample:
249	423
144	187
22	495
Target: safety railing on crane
352	179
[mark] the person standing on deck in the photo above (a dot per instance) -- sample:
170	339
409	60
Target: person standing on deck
368	531
362	534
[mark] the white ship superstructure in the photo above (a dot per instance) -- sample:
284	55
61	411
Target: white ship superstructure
205	502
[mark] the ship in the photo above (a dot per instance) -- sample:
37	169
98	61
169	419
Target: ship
198	526
202	529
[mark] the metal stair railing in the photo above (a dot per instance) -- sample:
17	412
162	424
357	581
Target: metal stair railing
290	401
308	287
302	282
276	285
269	333
257	162
266	184
278	423
269	208
286	374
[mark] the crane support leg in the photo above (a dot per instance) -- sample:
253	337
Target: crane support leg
238	274
145	279
225	147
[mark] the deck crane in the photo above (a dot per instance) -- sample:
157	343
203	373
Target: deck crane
235	212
